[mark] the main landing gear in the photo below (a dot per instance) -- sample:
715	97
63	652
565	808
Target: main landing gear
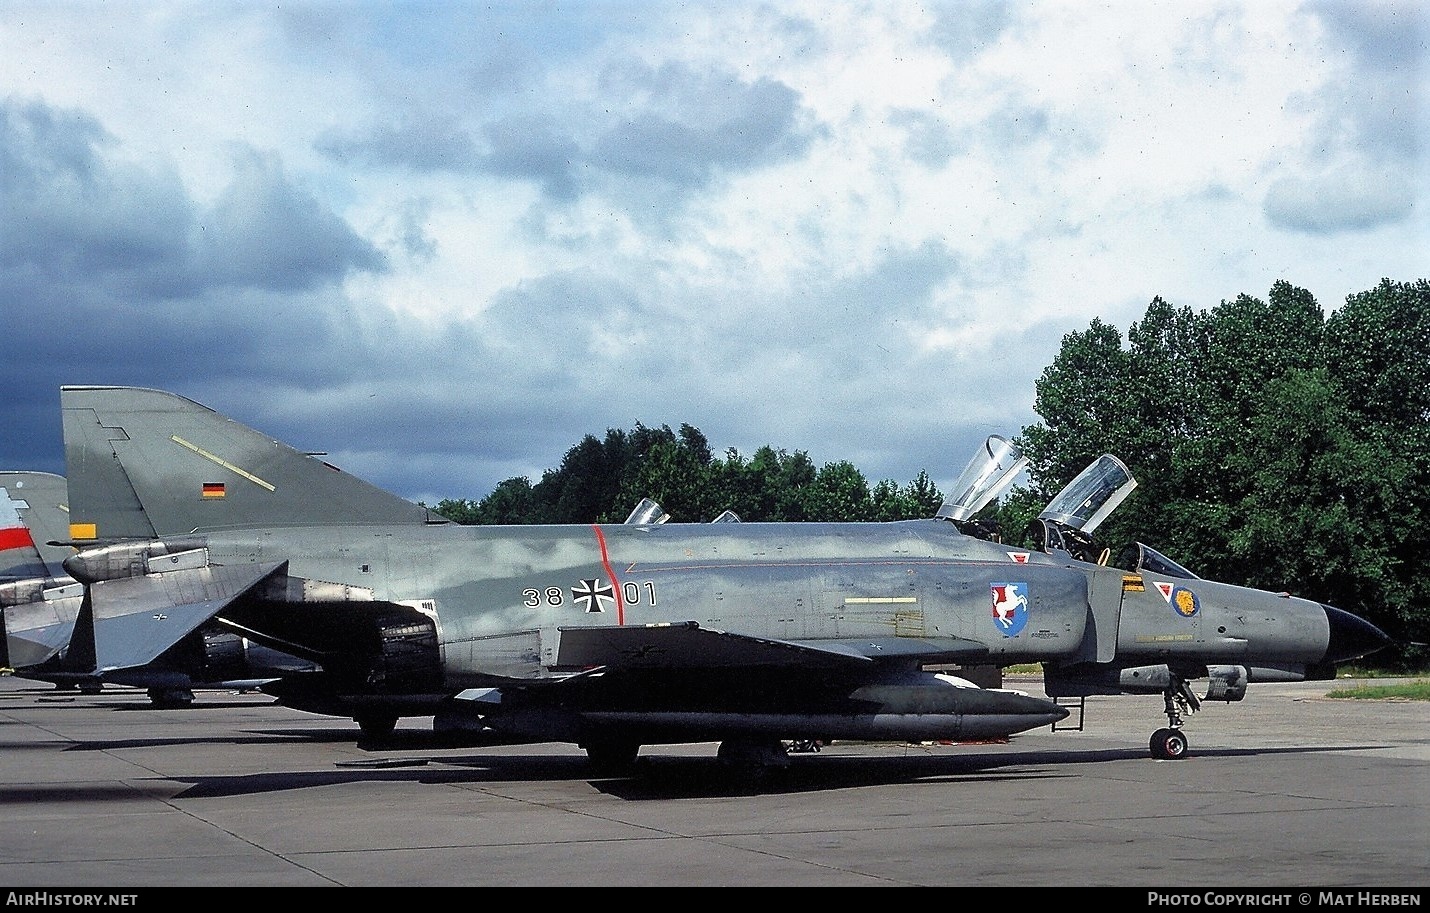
170	698
1170	743
376	724
610	757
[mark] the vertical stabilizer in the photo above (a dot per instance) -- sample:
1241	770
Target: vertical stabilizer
34	511
144	463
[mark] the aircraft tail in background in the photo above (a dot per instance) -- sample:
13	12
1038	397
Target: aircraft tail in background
34	512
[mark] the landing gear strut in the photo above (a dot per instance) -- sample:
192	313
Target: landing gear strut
1170	744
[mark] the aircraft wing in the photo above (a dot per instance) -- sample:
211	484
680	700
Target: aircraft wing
129	621
689	646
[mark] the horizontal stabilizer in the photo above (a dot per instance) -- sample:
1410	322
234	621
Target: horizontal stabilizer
137	618
37	631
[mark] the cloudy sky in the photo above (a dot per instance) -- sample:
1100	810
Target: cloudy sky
443	241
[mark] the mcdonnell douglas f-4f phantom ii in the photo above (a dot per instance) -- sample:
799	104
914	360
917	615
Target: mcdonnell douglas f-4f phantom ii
622	635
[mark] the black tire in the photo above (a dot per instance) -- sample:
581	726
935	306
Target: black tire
612	757
376	724
1168	745
170	698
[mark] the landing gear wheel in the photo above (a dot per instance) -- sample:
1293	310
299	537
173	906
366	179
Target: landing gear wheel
1168	745
376	724
170	698
754	760
613	757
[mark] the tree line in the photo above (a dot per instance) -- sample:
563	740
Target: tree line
603	480
1274	446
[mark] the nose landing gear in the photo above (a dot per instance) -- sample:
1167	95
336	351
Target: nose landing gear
1170	743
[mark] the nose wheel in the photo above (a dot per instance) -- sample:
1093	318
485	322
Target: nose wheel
1169	743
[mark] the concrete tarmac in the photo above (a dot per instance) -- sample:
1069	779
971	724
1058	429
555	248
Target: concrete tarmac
1285	789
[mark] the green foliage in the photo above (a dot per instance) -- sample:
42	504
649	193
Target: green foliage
1418	690
1273	446
1015	514
602	480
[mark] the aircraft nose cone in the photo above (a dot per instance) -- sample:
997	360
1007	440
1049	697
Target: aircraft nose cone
1351	636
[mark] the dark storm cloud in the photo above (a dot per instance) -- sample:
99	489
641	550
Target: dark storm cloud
72	215
68	214
112	274
115	275
265	232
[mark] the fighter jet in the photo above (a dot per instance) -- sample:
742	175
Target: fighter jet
618	636
42	605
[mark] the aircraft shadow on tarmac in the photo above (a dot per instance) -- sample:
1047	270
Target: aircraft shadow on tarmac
653	778
208	704
664	776
671	778
424	756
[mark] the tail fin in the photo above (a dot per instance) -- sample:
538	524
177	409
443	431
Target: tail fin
143	464
34	512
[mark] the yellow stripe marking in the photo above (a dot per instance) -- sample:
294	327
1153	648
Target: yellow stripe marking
83	531
221	461
867	600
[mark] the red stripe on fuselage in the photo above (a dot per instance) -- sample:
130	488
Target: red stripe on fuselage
611	575
19	537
